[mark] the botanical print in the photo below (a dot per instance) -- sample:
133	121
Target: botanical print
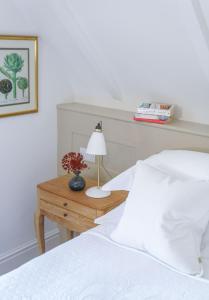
14	76
18	75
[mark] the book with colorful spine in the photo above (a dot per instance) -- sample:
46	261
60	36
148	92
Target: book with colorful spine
154	113
160	109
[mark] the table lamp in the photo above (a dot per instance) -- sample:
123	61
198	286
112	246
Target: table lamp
97	146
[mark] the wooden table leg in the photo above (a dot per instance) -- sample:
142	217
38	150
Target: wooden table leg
39	226
69	234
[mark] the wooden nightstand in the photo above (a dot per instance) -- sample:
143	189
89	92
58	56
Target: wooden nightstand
73	210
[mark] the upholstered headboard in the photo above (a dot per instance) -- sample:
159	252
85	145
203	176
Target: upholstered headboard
127	140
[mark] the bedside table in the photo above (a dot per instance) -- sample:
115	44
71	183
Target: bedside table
73	210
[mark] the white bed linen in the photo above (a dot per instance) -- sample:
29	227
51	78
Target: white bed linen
92	267
165	216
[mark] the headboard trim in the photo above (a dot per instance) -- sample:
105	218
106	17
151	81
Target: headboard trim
127	116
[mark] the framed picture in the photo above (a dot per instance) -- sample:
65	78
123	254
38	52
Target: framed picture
18	75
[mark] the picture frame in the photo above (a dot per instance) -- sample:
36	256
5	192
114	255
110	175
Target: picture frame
18	75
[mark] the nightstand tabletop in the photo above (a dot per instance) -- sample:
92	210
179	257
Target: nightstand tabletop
59	186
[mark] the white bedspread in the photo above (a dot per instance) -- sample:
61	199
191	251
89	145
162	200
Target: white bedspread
91	267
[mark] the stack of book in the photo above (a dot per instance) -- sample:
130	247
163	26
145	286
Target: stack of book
154	112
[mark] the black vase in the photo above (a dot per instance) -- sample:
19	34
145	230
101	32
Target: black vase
77	183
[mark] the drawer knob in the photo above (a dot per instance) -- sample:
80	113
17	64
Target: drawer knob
65	204
65	215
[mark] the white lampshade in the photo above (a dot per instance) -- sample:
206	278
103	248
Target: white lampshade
96	144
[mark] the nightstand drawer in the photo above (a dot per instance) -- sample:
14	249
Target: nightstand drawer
68	204
77	222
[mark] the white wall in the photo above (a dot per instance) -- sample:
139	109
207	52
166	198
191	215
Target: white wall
28	143
122	51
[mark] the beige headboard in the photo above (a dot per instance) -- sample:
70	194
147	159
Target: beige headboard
127	140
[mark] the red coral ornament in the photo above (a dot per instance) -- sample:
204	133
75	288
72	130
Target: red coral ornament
73	162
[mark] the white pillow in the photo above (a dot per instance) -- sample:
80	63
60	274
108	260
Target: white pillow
179	162
123	181
190	163
165	216
112	217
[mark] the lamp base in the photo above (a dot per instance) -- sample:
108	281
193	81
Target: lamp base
97	192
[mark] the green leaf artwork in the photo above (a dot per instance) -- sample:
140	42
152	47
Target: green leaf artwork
5	87
13	63
22	84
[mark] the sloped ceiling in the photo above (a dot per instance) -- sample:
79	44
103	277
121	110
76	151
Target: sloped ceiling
114	53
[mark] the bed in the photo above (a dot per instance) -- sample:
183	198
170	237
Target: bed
92	266
96	265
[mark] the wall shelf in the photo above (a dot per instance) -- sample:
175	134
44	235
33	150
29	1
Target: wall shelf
127	116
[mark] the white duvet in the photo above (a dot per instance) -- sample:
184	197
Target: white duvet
92	267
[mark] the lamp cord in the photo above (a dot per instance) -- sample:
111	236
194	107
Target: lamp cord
108	173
